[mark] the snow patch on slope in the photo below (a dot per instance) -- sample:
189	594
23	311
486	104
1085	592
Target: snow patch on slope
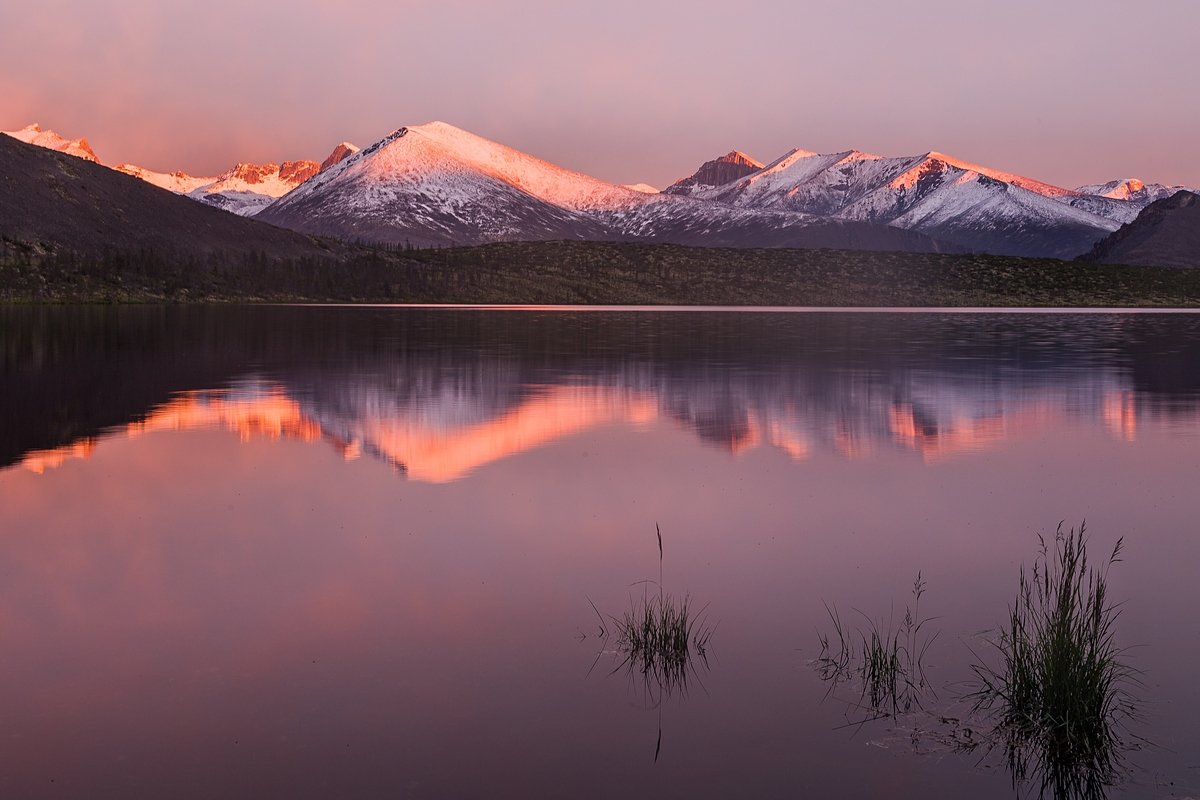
177	182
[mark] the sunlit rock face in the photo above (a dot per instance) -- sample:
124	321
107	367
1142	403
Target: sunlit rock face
340	153
718	172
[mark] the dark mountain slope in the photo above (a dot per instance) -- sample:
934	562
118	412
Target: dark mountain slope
1166	234
56	202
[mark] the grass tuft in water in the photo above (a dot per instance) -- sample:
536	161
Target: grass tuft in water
661	638
1061	690
887	660
661	630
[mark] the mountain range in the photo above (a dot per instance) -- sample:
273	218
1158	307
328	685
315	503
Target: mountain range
438	185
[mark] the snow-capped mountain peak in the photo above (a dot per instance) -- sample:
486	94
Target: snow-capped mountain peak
799	165
1044	189
1123	199
35	135
1132	190
1122	189
546	181
439	157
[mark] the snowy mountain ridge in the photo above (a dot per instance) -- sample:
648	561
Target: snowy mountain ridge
245	189
436	183
948	198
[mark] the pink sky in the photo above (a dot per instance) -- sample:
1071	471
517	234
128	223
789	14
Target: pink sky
1072	92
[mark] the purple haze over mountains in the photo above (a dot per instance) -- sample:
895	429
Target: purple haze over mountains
1074	92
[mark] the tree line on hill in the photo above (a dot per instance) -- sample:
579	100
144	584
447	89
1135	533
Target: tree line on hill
586	273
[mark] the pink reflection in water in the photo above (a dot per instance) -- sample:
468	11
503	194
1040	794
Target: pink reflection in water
429	449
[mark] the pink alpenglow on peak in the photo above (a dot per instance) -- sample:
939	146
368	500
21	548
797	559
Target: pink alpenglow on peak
1118	190
33	134
1044	189
246	188
271	179
434	141
340	153
249	188
1133	190
438	183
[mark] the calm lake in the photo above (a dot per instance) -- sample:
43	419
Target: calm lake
354	552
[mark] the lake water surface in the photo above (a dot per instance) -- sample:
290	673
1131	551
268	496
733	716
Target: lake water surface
353	552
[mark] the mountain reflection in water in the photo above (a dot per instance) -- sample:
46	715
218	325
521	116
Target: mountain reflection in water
439	394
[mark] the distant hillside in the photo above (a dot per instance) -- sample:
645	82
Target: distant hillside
1165	234
53	202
